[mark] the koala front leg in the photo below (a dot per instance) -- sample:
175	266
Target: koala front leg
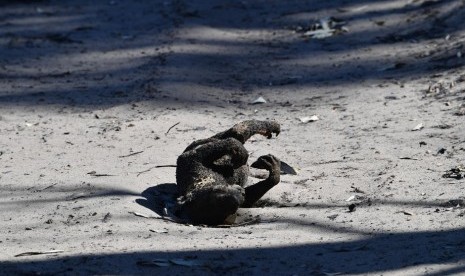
244	130
256	191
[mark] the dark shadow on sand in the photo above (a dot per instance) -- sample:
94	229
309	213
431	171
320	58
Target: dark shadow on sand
242	66
372	254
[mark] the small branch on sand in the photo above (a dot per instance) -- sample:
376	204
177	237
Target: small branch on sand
131	154
159	166
49	186
172	127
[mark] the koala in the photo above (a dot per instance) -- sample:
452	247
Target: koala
211	173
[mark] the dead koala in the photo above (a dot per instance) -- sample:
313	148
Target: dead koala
211	173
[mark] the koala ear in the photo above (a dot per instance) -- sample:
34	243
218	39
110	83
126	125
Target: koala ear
224	161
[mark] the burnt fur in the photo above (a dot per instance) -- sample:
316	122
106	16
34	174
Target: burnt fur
211	173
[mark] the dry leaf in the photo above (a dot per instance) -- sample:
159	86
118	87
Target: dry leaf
259	100
418	127
166	262
287	169
184	262
352	197
155	262
320	33
142	215
312	118
159	231
32	253
406	213
326	27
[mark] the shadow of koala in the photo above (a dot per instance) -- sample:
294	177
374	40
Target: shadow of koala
162	199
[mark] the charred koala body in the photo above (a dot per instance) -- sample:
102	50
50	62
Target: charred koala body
211	173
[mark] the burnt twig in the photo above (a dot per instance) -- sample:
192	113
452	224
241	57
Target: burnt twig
172	127
131	154
154	167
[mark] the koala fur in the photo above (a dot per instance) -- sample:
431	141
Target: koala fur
211	173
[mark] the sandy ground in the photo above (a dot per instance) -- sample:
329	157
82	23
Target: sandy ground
95	94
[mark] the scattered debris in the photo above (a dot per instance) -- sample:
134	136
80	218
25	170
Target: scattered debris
172	219
333	217
287	169
351	248
440	89
154	167
301	181
357	190
77	196
172	127
259	100
418	127
326	27
144	171
48	187
32	253
156	262
185	262
352	197
170	262
443	126
159	231
405	213
143	215
457	173
312	118
408	158
356	9
455	203
106	218
94	173
166	166
131	154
